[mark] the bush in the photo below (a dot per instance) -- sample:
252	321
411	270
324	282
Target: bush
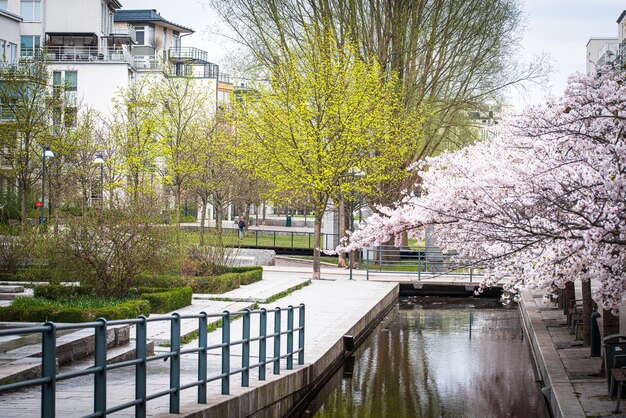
207	260
109	250
168	300
57	292
126	310
235	277
17	248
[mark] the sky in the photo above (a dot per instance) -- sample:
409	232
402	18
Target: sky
559	28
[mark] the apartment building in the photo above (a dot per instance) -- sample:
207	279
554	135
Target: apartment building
607	52
9	34
94	47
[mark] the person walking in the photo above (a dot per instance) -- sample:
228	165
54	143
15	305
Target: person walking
242	227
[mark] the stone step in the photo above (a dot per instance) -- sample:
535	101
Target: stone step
11	296
11	289
30	367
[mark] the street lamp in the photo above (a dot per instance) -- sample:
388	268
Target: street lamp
354	173
100	161
46	153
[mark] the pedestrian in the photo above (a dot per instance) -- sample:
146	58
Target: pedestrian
242	227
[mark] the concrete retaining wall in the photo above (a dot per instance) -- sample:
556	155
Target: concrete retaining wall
556	383
278	394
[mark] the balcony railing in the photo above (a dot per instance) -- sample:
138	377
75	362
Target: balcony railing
77	54
608	53
147	63
188	54
127	31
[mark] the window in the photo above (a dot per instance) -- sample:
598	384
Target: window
31	10
71	81
3	4
29	45
140	35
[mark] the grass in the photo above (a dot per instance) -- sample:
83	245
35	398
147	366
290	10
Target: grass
323	259
286	292
253	238
83	302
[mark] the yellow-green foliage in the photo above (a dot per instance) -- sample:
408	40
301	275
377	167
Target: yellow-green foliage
326	113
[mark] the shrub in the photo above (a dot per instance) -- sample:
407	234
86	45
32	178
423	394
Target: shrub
207	260
126	310
57	292
17	247
110	250
168	300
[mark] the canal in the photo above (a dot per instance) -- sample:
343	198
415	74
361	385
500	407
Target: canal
437	357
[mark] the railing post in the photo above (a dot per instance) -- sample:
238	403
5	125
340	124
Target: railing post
292	239
471	273
277	313
225	353
367	264
290	337
274	238
380	258
245	349
48	370
309	239
100	362
175	364
202	354
262	342
301	335
141	350
419	267
256	238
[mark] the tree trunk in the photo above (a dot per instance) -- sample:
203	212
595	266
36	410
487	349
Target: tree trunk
177	209
587	309
264	213
202	220
23	198
341	206
218	222
317	243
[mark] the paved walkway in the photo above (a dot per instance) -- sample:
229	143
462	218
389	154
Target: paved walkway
333	306
570	369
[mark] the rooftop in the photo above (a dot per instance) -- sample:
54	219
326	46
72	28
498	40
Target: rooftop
10	15
147	15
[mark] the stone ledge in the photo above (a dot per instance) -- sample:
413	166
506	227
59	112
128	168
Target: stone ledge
557	386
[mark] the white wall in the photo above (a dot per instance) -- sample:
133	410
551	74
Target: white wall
9	30
73	16
98	83
593	50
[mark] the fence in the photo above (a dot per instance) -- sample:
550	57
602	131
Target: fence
49	376
424	262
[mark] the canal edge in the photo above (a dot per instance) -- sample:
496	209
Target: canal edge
282	395
556	385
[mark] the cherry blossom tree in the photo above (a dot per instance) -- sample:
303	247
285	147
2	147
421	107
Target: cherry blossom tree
541	205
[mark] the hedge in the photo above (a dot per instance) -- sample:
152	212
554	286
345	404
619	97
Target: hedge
236	277
167	300
126	310
37	275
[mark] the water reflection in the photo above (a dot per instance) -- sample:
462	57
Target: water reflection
435	357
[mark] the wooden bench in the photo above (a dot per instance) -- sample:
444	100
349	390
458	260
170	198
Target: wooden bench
619	376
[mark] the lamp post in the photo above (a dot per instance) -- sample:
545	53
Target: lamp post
354	173
46	153
100	161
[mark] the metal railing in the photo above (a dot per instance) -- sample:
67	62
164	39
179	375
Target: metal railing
50	377
424	262
77	54
188	53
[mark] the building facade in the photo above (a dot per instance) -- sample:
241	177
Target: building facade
607	53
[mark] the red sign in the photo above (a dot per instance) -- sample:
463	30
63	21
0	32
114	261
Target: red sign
38	204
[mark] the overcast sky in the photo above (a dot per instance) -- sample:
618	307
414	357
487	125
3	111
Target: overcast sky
560	28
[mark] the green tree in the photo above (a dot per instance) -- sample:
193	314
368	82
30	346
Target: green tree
325	114
181	104
25	102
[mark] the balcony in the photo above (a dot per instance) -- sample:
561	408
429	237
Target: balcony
608	54
81	54
123	32
188	55
146	62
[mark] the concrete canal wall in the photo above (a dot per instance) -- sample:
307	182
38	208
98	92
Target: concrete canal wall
282	395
